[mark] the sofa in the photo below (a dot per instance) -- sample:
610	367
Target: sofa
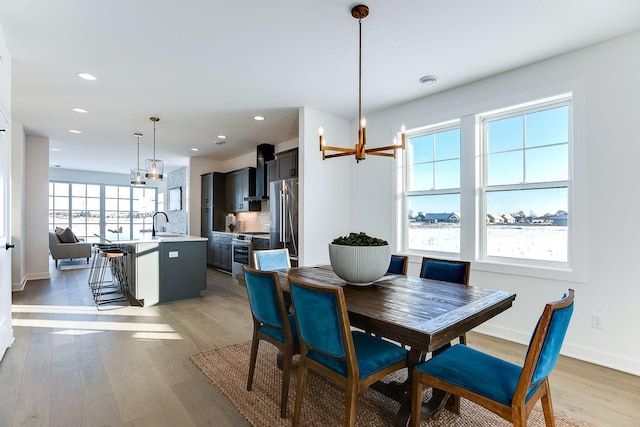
61	250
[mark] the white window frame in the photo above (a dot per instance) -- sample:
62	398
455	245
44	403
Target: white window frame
404	210
472	202
484	188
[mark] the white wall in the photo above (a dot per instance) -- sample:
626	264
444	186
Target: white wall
36	241
325	188
605	78
18	207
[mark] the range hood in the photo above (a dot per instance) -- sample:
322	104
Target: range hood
264	153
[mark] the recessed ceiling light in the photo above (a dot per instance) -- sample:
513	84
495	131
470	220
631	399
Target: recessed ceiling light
79	110
194	149
75	131
222	136
55	149
428	80
87	76
258	118
220	142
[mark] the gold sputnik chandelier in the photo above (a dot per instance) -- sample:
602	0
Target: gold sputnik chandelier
360	150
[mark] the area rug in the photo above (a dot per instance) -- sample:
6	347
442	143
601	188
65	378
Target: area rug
76	264
324	402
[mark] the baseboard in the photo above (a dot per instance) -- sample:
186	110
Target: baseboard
38	276
597	357
19	287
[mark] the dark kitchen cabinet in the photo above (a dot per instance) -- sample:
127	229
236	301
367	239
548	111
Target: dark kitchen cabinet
225	258
287	164
239	185
219	255
206	220
206	197
272	169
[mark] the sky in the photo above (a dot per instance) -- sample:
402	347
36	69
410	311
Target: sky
531	148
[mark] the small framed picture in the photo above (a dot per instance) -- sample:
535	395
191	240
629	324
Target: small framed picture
175	199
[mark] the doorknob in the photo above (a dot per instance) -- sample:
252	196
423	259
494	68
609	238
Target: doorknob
8	246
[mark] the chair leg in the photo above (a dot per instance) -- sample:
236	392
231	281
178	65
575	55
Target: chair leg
351	403
519	417
302	380
463	339
547	406
286	376
252	361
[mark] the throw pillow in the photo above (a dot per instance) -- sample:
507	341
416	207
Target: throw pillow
59	230
67	236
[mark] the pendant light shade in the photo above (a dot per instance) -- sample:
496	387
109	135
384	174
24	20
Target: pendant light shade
137	175
154	166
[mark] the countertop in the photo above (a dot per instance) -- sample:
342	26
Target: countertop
254	234
162	237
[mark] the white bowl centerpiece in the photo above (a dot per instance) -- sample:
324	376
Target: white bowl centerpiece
359	259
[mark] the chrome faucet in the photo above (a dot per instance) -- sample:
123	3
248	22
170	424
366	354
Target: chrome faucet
153	222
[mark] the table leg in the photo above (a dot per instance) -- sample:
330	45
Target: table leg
404	413
434	406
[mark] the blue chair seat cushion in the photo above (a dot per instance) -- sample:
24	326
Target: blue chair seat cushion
278	334
477	372
373	354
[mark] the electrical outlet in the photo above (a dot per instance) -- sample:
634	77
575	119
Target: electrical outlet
596	320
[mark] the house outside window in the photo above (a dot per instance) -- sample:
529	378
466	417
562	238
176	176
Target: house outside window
525	182
511	205
433	189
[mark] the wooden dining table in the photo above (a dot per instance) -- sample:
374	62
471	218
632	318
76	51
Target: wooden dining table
423	314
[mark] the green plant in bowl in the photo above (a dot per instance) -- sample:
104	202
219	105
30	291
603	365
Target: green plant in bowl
359	259
359	239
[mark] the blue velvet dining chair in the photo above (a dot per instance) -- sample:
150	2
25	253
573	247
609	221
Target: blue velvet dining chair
272	259
446	271
398	265
503	388
271	323
352	359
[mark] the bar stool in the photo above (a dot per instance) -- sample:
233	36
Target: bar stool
95	263
107	291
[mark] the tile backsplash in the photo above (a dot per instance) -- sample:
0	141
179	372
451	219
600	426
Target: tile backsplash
255	221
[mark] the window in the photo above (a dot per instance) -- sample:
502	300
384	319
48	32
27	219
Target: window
115	212
433	189
525	182
85	209
494	187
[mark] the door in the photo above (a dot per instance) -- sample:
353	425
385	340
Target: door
6	333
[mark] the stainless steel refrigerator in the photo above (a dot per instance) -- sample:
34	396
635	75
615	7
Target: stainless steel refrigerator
283	209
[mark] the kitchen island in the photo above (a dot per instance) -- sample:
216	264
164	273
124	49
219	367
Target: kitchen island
165	268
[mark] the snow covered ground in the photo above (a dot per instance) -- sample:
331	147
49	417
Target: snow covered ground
541	242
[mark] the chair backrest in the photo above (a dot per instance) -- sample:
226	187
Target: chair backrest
266	300
272	259
398	264
322	319
545	344
445	270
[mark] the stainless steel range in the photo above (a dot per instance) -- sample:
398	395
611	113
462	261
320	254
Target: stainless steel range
241	253
243	245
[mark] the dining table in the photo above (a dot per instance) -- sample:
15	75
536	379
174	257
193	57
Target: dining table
423	315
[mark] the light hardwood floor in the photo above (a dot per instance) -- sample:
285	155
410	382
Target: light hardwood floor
74	366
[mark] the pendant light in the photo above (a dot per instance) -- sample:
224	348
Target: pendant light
137	175
154	166
360	150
